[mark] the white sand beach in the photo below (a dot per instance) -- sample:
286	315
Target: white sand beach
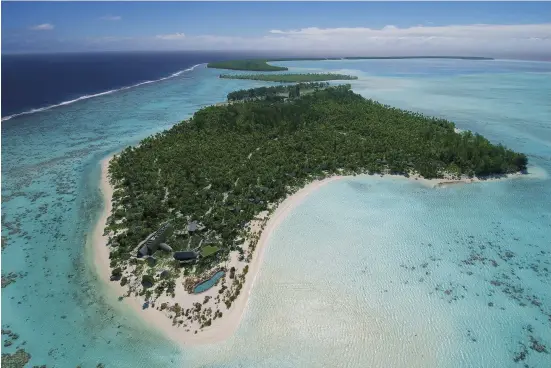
223	327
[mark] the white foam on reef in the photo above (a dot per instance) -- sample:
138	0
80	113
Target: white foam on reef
85	97
537	172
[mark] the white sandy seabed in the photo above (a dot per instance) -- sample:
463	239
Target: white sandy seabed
228	324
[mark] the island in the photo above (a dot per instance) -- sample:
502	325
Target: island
276	93
291	78
257	65
261	65
189	211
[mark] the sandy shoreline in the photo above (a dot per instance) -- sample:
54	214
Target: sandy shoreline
223	327
101	260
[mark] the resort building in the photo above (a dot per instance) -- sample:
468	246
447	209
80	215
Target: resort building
185	256
156	241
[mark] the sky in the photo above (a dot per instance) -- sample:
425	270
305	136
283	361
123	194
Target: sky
326	28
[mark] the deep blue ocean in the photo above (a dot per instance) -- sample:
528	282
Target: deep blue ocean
41	80
366	272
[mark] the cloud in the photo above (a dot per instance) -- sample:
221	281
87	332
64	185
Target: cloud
473	31
42	27
111	17
518	41
173	36
478	39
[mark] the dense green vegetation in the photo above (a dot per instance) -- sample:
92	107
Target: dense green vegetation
291	78
257	65
228	163
275	93
261	65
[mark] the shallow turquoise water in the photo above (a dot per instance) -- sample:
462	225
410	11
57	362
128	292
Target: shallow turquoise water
50	201
366	272
205	285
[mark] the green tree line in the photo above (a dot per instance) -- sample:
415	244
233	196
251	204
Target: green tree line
291	78
257	65
261	65
274	92
227	163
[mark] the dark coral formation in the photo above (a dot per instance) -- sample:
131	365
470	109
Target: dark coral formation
10	278
15	360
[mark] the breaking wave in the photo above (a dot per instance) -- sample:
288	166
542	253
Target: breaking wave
85	97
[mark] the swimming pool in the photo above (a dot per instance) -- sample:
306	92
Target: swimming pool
205	285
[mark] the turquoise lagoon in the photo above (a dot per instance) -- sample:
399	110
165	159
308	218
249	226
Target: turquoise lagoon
366	272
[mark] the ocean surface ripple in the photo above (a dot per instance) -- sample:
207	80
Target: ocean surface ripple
32	111
367	272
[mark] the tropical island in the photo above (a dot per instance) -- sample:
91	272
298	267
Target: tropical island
261	65
188	210
256	65
276	93
291	78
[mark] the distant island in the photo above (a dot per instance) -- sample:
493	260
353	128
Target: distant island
290	78
261	65
276	93
255	65
190	209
